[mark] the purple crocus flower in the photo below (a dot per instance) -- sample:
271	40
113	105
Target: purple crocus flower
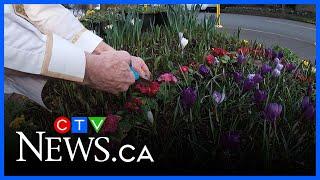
203	70
265	69
237	77
309	111
290	67
248	84
188	97
231	140
280	54
260	96
218	97
272	111
268	53
257	78
241	59
310	90
307	108
305	102
274	54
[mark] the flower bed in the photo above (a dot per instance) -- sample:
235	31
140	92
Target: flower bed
214	97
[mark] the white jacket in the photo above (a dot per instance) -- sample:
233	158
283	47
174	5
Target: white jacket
43	41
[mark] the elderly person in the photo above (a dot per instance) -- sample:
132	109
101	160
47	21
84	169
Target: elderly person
42	41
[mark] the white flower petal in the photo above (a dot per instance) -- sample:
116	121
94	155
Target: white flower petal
279	66
183	42
223	96
150	117
180	35
110	26
251	76
216	61
276	73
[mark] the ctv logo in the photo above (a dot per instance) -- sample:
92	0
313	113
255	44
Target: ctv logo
62	124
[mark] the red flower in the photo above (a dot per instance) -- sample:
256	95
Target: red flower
243	51
210	59
219	52
184	69
130	106
111	124
150	89
258	52
137	101
133	105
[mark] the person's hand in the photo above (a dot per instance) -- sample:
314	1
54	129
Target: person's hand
137	63
140	66
102	47
109	71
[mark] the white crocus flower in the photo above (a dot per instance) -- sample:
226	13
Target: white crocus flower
279	66
110	26
183	41
251	76
276	72
216	62
150	117
180	35
132	21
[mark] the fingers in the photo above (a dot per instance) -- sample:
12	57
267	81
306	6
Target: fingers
110	71
140	66
137	66
146	70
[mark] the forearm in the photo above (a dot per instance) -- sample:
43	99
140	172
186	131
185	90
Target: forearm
54	18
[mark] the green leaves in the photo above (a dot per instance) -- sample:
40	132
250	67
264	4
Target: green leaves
225	59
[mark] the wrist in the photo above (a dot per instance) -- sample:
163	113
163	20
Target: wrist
102	47
88	68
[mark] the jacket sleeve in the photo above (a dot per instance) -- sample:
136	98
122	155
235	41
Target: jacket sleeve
59	20
28	50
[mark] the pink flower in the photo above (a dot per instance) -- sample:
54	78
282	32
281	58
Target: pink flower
210	59
111	124
168	77
184	69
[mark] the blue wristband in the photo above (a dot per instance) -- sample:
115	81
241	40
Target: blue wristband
135	73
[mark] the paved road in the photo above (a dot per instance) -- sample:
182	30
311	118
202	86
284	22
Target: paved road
297	36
